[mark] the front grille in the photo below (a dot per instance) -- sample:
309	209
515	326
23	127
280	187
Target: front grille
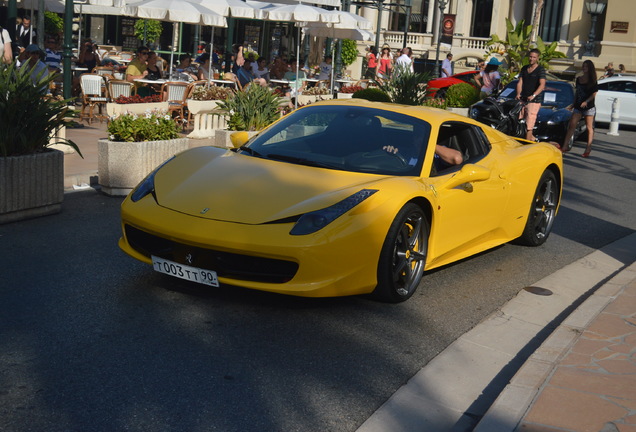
225	264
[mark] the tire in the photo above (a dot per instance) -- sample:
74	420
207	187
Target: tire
542	211
403	256
441	93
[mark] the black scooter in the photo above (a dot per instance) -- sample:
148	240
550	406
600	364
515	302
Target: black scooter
501	114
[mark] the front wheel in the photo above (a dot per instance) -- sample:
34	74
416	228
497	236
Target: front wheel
403	256
542	211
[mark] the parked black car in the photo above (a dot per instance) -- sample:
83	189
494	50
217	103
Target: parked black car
553	118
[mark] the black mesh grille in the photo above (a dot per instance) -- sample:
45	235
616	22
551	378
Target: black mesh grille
229	265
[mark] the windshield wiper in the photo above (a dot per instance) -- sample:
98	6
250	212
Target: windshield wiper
249	151
300	161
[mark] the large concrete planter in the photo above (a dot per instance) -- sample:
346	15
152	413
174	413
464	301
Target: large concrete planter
344	95
460	111
207	118
134	108
31	185
222	138
122	165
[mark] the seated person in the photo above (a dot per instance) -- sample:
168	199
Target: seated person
185	66
137	69
292	77
154	71
244	75
203	73
261	70
448	155
32	60
278	68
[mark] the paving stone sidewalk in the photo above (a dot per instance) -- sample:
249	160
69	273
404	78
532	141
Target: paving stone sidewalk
583	377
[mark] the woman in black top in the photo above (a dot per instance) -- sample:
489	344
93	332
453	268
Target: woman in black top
586	88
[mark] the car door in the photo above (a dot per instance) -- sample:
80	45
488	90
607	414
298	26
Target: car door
625	91
468	214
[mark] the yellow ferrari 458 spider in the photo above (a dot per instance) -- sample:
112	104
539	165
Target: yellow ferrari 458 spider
343	198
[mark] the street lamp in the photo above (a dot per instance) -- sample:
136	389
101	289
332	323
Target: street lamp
442	6
594	8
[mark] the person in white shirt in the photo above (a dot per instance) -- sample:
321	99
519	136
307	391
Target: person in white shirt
403	62
447	66
325	69
6	53
261	70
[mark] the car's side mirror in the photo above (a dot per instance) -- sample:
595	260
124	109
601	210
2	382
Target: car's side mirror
468	174
239	138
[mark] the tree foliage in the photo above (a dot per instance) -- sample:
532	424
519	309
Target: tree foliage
516	46
152	29
349	52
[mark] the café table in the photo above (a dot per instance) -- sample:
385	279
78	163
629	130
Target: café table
279	81
223	82
149	81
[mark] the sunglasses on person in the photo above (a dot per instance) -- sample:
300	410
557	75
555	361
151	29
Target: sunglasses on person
144	53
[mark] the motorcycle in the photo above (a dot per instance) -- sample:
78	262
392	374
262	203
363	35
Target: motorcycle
501	114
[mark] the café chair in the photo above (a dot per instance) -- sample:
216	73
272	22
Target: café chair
94	95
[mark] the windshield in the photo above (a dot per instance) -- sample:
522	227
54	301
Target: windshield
347	138
556	94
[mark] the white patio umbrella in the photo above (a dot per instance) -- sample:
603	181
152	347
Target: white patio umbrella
175	11
351	26
301	15
231	8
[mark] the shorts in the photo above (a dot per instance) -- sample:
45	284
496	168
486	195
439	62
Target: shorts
530	112
585	113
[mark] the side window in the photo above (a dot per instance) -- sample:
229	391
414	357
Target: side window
630	87
617	86
469	140
603	86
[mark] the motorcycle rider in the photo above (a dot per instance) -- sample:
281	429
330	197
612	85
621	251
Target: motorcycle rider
529	89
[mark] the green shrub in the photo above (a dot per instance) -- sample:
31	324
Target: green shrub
461	95
406	87
372	94
29	118
149	28
252	109
152	126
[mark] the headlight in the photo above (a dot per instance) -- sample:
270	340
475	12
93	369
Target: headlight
311	222
147	185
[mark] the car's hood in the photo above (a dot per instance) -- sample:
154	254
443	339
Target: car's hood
546	113
222	185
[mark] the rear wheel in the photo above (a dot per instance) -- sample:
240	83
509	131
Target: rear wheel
542	211
441	94
403	256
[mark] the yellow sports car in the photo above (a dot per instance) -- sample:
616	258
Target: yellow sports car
340	198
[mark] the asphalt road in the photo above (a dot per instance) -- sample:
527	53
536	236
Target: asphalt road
90	339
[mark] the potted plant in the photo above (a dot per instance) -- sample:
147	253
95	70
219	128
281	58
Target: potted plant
31	174
202	104
135	104
136	145
249	110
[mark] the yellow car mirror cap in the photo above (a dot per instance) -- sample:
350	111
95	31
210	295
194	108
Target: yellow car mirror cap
469	173
239	138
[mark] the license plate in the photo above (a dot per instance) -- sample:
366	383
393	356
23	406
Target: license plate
194	274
